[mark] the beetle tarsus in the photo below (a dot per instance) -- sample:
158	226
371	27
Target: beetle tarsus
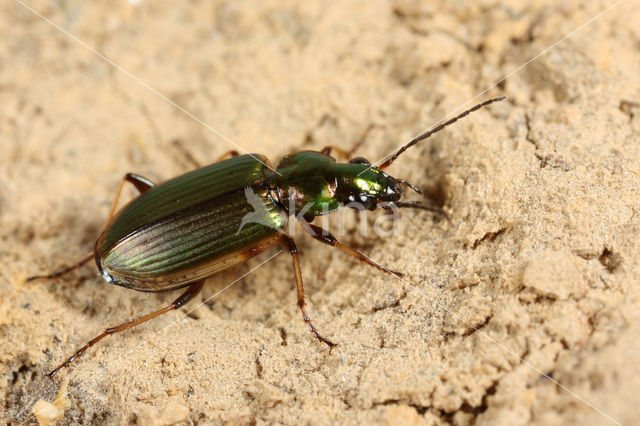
185	297
62	271
314	330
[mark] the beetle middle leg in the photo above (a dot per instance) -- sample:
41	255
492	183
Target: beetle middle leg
293	250
325	237
141	183
185	297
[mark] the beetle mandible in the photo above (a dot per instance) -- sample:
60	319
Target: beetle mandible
181	232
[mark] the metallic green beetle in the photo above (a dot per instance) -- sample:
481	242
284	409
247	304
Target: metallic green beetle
183	231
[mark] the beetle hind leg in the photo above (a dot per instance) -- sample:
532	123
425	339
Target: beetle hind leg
141	183
293	250
185	297
63	271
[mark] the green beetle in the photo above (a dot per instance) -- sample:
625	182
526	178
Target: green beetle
183	231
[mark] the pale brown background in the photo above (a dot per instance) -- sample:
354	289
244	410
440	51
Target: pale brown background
541	256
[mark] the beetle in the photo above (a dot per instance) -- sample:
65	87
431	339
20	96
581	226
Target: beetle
185	230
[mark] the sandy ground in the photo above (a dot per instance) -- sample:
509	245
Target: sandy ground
523	309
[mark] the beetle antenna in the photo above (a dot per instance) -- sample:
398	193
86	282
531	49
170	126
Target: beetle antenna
437	129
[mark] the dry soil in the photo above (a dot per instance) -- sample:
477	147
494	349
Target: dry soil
523	309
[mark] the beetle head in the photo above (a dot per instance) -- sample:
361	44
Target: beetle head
360	182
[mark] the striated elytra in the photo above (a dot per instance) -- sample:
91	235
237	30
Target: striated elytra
186	229
183	231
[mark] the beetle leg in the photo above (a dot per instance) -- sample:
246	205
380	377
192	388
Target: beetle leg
291	245
348	154
228	154
62	271
325	237
341	152
141	183
178	144
185	297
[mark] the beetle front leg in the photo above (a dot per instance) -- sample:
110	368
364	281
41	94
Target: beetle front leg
293	250
325	237
348	154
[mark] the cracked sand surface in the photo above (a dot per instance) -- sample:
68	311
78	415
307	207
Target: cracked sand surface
540	262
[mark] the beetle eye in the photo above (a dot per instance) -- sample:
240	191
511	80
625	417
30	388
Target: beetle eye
360	160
